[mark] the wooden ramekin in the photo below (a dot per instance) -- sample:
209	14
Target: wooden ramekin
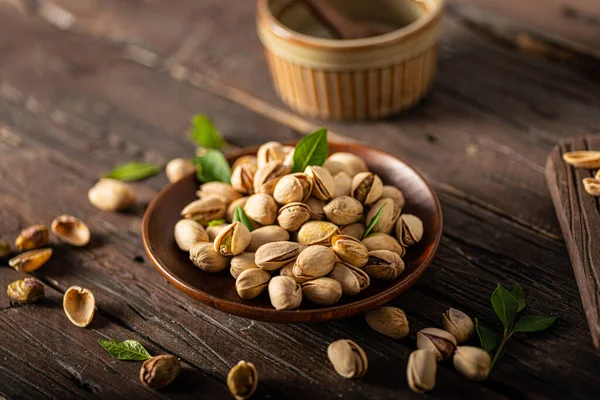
351	79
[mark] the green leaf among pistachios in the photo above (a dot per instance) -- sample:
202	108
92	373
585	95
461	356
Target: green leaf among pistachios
373	221
213	167
205	133
127	350
311	150
240	216
133	171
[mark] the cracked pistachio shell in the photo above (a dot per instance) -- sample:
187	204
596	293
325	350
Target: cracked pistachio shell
111	195
409	230
188	232
242	380
288	270
252	282
240	263
205	210
322	291
213	231
421	371
440	342
272	256
384	265
356	230
314	262
349	163
232	240
352	279
289	158
79	305
71	230
293	215
383	241
159	371
32	237
343	184
316	208
204	256
344	210
261	208
366	187
270	151
389	321
243	160
221	190
241	202
348	358
268	175
285	293
323	183
30	260
388	218
350	250
28	290
395	194
178	168
459	324
293	188
242	178
267	234
317	232
472	362
5	249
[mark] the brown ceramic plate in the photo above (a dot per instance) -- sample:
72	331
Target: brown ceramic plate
218	290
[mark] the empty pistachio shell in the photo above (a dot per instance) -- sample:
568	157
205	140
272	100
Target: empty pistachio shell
389	215
395	194
267	234
30	260
32	237
345	162
5	249
348	358
421	371
472	362
409	230
241	263
252	282
350	250
204	256
28	290
272	256
316	208
356	230
352	279
459	324
344	210
220	190
293	215
268	175
592	186
389	321
366	187
384	264
242	178
71	229
285	293
214	230
178	168
440	342
248	159
323	183
242	380
159	371
293	188
241	202
322	291
383	241
79	305
111	195
261	208
583	159
317	232
314	262
270	151
205	209
232	240
188	232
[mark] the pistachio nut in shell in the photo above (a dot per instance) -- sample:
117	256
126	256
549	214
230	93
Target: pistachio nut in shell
440	342
241	202
352	279
232	240
205	209
343	210
79	305
289	158
409	230
32	237
421	371
270	151
389	321
71	230
459	324
322	291
350	250
28	290
204	256
267	234
178	168
316	208
293	188
323	183
389	215
268	175
343	184
242	178
356	230
247	159
187	233
272	256
242	380
285	293
472	362
293	215
384	264
240	263
395	194
288	270
111	195
383	241
348	358
252	282
261	208
221	190
317	232
345	162
30	260
159	371
214	230
5	249
314	262
366	187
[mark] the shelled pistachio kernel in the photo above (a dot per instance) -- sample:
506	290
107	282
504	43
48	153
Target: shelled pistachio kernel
27	290
32	237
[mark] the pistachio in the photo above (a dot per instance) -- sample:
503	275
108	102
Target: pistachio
188	232
345	162
317	232
472	362
344	210
352	279
28	290
440	342
267	234
79	305
240	263
583	159
395	194
213	231
5	249
268	175
356	230
293	215
205	209
348	358
178	168
316	208
288	270
323	183
293	188
272	256
252	282
592	186
158	372
421	371
350	250
242	178
232	240
204	256
71	229
384	264
270	151
285	293
242	380
322	291
30	260
387	219
289	158
389	321
409	230
111	195
383	241
314	262
32	237
366	187
220	190
459	324
261	208
245	160
241	202
343	184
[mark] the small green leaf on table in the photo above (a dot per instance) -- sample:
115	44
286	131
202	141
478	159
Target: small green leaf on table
133	171
311	150
240	216
533	323
213	167
205	134
127	350
373	221
517	291
488	338
505	305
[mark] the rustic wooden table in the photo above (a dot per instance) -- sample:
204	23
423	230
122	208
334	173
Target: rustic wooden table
118	80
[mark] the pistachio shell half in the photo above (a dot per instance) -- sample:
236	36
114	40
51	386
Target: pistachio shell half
285	293
71	230
384	264
348	358
350	250
317	232
323	183
111	195
261	208
352	279
32	237
242	380
367	187
79	305
344	210
30	260
232	240
205	209
204	256
272	256
322	291
293	215
267	234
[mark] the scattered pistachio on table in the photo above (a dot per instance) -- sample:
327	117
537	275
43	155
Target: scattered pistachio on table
28	290
71	230
30	260
348	358
242	380
111	195
472	362
5	250
159	371
459	324
421	370
438	341
389	321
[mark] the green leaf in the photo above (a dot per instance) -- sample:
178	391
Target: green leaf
311	150
533	323
373	221
517	291
216	222
127	350
133	171
505	305
240	216
213	167
205	134
488	338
